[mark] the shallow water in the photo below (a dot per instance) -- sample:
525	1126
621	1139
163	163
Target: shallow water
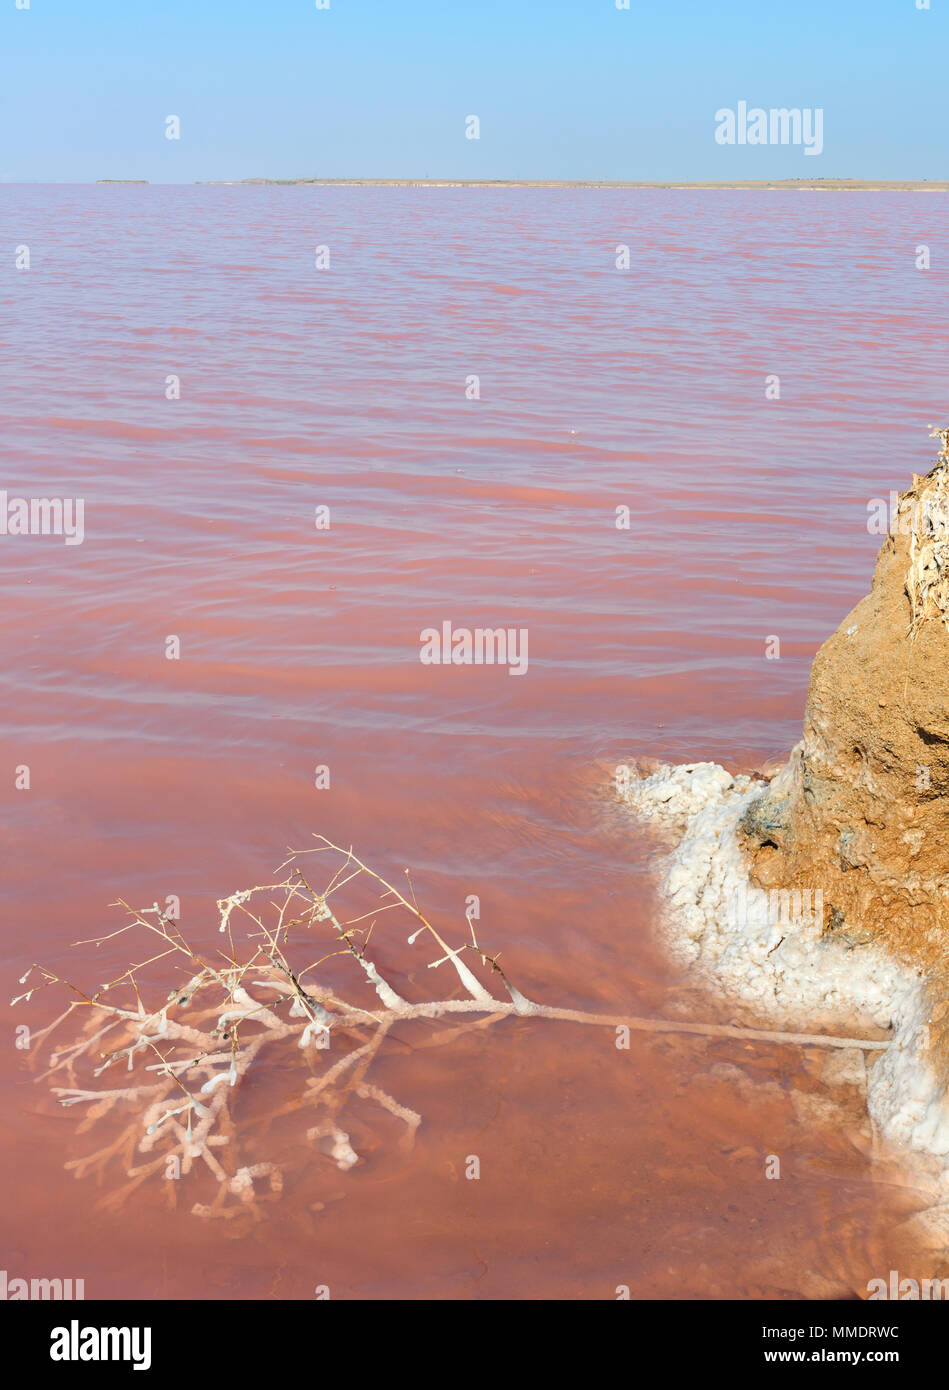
600	388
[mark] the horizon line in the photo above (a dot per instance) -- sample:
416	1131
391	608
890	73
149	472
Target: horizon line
833	184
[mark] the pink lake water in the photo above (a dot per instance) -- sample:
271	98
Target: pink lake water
346	387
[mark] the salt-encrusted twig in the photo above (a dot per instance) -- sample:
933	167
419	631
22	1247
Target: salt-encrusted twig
192	1051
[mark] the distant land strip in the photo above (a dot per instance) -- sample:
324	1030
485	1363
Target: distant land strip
803	185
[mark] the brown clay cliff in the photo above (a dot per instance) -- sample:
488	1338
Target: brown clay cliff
861	810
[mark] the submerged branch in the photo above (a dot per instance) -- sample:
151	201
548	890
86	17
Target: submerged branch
195	1050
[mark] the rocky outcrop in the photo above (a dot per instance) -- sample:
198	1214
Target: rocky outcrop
820	897
861	810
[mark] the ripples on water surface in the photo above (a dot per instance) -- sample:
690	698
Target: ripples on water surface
346	387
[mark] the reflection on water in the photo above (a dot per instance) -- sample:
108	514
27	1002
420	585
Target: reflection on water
299	648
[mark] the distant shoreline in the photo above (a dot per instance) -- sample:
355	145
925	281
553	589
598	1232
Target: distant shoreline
778	185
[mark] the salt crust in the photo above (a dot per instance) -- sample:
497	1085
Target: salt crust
786	971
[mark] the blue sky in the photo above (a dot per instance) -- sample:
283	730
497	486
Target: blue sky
381	88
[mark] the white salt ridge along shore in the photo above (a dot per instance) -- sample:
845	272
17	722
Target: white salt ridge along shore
804	980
